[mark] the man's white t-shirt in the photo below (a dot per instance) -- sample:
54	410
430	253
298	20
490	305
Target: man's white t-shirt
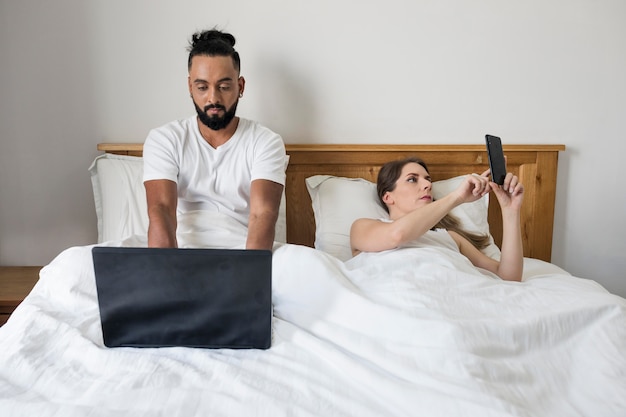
214	179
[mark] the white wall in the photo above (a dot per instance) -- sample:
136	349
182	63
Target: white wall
75	73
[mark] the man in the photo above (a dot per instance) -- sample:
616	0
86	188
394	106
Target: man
214	160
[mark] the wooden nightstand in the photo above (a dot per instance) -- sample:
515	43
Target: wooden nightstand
15	284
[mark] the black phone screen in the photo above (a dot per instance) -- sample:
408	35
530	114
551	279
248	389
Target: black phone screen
497	164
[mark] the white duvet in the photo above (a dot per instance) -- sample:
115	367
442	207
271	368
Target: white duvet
410	332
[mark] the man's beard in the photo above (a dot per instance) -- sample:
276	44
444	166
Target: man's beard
216	122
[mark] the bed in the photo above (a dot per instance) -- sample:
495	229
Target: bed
413	331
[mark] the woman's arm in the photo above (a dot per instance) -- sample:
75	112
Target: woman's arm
510	196
370	235
511	265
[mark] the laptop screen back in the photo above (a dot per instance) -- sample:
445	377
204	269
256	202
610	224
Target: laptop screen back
211	298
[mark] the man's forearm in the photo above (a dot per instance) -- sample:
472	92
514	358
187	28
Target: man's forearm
162	230
261	231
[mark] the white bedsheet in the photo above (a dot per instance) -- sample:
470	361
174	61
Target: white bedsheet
411	332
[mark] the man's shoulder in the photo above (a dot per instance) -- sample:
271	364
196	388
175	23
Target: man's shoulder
257	131
174	133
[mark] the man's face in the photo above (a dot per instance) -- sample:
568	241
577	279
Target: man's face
215	85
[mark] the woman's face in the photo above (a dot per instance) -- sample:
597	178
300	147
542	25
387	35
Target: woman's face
413	190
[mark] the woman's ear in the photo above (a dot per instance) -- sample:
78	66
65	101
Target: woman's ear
388	199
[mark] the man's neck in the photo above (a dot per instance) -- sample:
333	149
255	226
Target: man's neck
217	138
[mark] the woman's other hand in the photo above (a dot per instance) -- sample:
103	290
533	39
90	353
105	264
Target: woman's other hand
510	194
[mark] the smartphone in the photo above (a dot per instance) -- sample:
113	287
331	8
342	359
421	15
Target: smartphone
497	164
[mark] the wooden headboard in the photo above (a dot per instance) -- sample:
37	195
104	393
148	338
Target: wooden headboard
536	166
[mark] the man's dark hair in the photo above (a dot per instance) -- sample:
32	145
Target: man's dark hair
213	43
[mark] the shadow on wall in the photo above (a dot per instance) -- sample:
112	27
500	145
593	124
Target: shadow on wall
559	242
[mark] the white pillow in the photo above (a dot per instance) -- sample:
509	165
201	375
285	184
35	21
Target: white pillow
120	198
338	202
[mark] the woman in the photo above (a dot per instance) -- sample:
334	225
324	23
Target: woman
405	190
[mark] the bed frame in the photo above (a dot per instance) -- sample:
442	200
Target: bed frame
536	165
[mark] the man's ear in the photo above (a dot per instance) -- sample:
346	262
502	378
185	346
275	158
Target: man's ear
242	85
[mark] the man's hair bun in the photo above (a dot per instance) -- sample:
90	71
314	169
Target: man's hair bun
210	36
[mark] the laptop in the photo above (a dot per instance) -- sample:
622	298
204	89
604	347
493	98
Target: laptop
206	298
